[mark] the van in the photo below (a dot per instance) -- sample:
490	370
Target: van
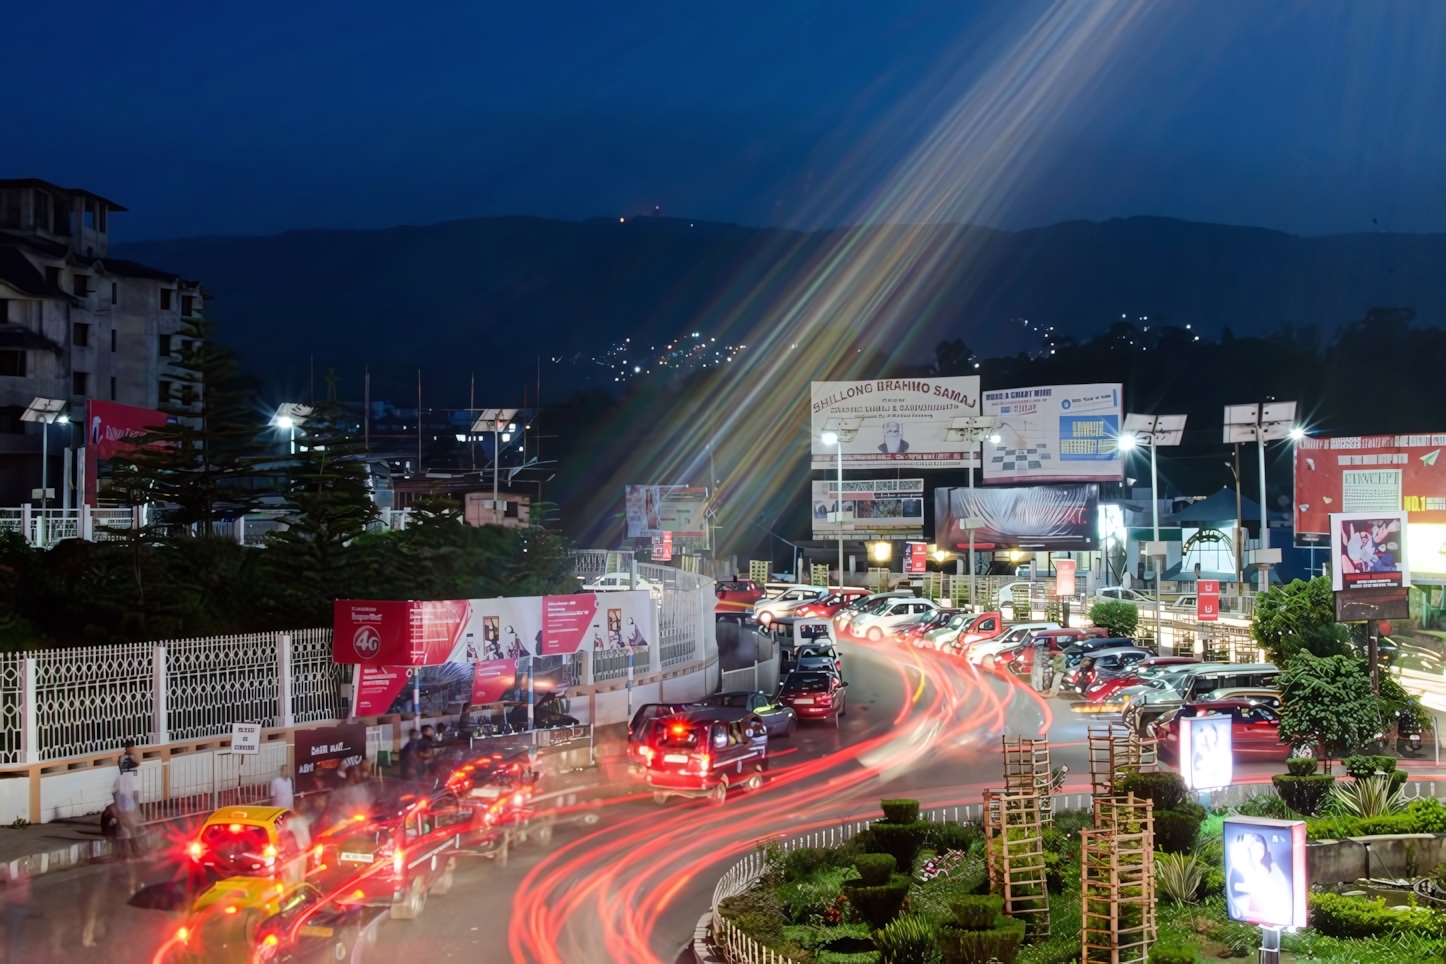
1217	676
699	753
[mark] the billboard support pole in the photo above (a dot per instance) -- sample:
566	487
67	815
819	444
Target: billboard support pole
1374	655
1160	559
1264	512
973	600
840	514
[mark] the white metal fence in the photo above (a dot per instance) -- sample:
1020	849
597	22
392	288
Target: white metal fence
684	602
46	527
89	699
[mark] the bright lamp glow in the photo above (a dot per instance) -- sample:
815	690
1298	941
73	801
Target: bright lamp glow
829	438
881	551
994	439
1297	433
284	422
1127	442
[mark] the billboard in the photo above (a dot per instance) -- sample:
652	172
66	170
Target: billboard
1206	752
913	420
1368	550
1036	517
916	557
109	427
1265	875
654	509
324	751
1064	577
1373	473
1054	433
882	508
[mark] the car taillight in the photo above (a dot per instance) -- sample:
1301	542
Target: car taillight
700	762
183	935
399	862
647	753
196	850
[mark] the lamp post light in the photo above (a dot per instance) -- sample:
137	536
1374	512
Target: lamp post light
287	417
1154	431
45	411
976	430
1262	423
833	438
496	420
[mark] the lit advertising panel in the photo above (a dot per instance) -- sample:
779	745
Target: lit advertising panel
872	508
1207	755
1372	473
1265	875
1038	517
1368	550
918	421
1054	433
654	509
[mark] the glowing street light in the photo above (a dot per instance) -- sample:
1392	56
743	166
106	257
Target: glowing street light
45	411
1154	431
288	416
833	438
974	429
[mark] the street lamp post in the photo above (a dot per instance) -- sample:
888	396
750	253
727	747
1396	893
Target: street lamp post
1261	423
976	430
45	411
1154	431
287	417
494	419
833	438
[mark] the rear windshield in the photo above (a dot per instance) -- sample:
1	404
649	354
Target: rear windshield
735	700
681	735
235	839
806	682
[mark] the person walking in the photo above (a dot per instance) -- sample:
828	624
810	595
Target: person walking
126	795
411	757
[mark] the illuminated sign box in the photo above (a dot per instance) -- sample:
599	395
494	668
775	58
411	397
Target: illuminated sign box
1265	875
1207	755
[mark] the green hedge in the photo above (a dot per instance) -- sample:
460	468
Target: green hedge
1301	766
979	933
1420	816
900	811
1171	952
907	940
1176	830
1304	793
875	869
1165	788
1336	915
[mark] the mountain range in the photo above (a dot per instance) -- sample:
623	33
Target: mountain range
518	300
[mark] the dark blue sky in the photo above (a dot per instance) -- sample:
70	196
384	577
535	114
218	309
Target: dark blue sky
257	117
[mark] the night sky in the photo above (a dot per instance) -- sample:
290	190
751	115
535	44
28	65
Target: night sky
257	117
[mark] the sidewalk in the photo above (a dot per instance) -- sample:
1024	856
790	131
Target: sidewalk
47	847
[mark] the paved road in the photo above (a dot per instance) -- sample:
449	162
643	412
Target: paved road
633	886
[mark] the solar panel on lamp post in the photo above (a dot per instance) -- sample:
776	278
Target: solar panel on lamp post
494	419
1154	431
834	438
976	430
45	411
1261	423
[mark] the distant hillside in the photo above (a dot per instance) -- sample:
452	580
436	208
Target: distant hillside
490	295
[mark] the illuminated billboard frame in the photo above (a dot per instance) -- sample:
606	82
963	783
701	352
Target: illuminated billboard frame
1207	753
1265	874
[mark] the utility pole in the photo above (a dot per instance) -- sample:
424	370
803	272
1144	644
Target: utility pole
367	410
420	473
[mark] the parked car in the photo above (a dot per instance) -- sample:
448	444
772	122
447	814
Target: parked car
875	625
1019	657
825	608
815	656
1254	729
778	718
619	581
736	595
1012	635
970	630
769	610
914	631
701	753
230	923
1104	664
842	618
1169	687
1120	593
1005	599
1101	690
639	724
814	695
1075	653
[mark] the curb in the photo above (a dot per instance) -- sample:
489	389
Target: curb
704	952
63	858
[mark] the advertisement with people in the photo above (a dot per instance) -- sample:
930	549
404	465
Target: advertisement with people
920	421
1374	473
1207	755
1368	550
652	510
323	753
1054	433
871	508
1037	517
1265	875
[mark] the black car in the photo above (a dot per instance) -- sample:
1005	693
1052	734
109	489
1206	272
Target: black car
778	718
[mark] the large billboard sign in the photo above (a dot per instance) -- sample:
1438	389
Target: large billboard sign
1368	550
1054	433
919	421
1265	873
110	429
655	509
1036	517
1372	473
872	508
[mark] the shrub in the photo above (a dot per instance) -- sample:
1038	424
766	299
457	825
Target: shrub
907	940
1115	615
1173	952
1301	766
1369	796
1166	789
952	835
1304	793
977	913
875	869
1336	915
801	863
979	933
1364	766
1175	830
877	905
1180	876
900	811
1266	805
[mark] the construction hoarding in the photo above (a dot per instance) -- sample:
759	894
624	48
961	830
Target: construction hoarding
654	509
915	420
872	508
1054	433
1037	517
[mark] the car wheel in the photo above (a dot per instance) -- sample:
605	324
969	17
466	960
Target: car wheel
444	882
411	907
720	791
792	725
660	797
754	782
875	634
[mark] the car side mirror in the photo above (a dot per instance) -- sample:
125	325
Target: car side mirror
842	683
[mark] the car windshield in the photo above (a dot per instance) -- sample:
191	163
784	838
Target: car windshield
235	839
815	652
806	683
680	734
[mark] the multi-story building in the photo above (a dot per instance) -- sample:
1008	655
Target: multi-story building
75	324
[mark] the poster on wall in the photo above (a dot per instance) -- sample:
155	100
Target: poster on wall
915	420
1064	577
1037	517
655	509
916	557
1265	873
1368	550
324	752
872	508
1054	433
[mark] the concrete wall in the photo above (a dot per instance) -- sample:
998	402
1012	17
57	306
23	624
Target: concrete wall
1396	855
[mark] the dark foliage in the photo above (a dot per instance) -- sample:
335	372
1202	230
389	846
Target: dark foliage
1165	789
1304	794
1301	766
980	933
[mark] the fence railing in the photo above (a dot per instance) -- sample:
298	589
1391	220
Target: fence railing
46	527
608	664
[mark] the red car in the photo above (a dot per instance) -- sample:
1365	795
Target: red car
814	695
737	596
1020	659
913	633
1254	729
825	608
1101	690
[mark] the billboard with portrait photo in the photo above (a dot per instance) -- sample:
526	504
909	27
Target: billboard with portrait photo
1054	433
1038	517
919	421
1207	755
1265	873
652	510
1368	550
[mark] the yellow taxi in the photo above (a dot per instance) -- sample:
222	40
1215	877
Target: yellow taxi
225	922
248	840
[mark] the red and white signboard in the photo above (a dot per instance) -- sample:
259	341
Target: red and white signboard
1064	577
663	547
1207	599
916	557
109	427
1372	473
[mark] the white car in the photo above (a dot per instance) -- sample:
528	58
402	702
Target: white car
877	624
1121	593
767	610
619	581
993	647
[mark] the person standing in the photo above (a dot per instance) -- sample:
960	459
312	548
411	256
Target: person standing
127	802
411	757
283	792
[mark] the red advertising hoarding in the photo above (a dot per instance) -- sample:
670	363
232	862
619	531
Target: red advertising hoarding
109	426
1371	473
916	557
1207	599
1064	577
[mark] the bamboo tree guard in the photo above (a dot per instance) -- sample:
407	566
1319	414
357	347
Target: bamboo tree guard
1114	748
1014	848
1117	882
1026	767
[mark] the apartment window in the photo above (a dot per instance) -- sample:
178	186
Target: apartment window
166	299
82	285
188	395
101	211
42	211
511	511
112	388
80	335
163	393
187	303
88	213
52	276
79	381
12	364
112	339
165	346
114	293
10	208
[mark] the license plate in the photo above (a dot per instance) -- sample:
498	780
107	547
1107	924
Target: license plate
487	793
676	758
804	701
356	858
312	930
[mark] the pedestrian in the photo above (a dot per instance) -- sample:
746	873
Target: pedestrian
17	908
283	792
411	760
126	796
